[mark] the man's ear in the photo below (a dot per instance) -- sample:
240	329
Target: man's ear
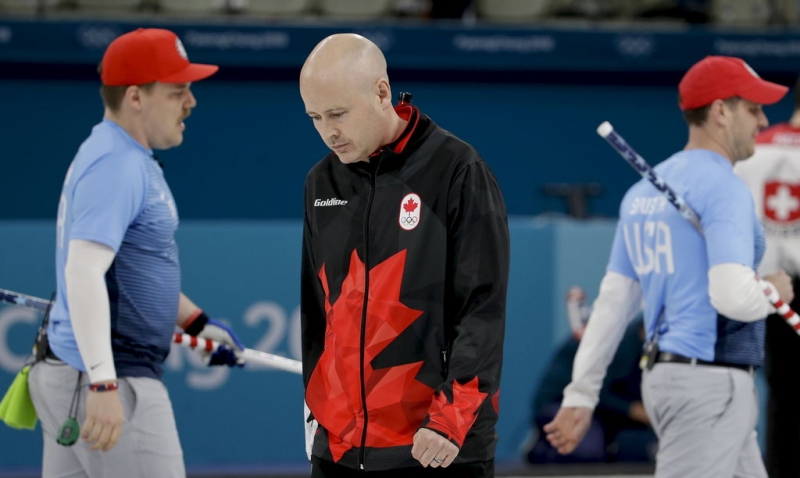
719	113
133	96
384	92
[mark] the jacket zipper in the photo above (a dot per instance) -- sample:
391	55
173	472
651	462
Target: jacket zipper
365	253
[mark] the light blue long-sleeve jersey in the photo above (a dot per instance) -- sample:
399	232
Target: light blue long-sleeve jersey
659	248
115	194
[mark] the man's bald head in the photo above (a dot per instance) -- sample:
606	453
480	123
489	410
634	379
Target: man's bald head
346	93
344	56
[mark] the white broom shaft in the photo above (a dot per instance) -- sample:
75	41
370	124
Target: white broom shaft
250	355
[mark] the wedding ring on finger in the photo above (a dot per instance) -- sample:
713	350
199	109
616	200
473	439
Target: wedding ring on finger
437	461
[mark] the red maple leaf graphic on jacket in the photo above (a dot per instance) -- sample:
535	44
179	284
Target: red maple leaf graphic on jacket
410	206
396	401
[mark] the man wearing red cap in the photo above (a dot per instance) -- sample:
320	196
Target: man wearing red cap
118	276
704	309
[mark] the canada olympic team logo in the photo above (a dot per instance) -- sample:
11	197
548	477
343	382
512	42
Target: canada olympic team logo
409	211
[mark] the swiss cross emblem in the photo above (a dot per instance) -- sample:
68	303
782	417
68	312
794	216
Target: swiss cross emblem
781	201
410	211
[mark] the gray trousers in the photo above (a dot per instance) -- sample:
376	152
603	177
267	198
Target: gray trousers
705	419
148	446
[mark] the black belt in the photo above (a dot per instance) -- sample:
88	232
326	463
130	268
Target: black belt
668	357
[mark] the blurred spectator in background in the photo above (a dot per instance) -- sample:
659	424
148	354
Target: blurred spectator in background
620	428
692	11
773	176
449	8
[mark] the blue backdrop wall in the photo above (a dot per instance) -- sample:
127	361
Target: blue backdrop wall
528	98
249	145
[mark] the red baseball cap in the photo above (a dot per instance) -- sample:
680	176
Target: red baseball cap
723	77
147	55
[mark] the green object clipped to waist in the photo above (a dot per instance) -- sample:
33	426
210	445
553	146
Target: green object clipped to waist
16	409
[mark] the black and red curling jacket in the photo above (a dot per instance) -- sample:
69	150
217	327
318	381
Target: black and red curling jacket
404	278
